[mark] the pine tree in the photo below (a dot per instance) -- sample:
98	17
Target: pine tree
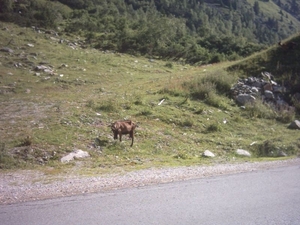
256	8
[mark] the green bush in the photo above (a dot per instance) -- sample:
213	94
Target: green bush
275	148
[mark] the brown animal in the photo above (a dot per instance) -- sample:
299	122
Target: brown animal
288	46
123	127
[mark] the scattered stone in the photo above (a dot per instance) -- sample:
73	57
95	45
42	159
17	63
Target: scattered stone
44	68
282	154
295	125
208	154
76	154
269	95
40	67
6	49
243	152
242	99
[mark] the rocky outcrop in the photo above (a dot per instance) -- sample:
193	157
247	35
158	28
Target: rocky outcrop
249	89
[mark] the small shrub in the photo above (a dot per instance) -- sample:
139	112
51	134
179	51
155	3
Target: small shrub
138	101
187	123
6	160
182	155
285	115
108	106
145	112
222	81
265	149
237	118
201	90
199	111
90	104
215	127
169	65
296	102
259	110
215	100
25	142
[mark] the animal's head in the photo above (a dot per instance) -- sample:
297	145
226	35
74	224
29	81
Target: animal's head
114	130
135	125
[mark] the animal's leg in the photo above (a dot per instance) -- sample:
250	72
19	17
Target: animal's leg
131	135
120	135
115	135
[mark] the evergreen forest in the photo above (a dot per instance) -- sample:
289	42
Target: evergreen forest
190	31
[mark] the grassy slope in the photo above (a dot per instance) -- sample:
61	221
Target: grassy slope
70	109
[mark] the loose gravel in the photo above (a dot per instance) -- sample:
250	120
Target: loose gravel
22	186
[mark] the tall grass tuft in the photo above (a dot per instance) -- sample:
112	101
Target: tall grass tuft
199	89
214	127
222	81
215	100
275	148
109	105
259	110
6	160
285	115
207	87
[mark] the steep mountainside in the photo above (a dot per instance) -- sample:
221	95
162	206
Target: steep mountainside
193	31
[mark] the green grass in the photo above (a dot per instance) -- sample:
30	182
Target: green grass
89	89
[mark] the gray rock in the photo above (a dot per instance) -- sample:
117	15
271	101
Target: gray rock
208	153
282	154
6	49
76	154
40	67
254	90
242	99
295	125
243	152
269	94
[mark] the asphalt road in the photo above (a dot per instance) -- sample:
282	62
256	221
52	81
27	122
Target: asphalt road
264	197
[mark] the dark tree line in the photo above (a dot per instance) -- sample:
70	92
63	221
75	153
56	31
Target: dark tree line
195	31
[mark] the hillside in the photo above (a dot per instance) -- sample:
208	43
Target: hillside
189	31
58	95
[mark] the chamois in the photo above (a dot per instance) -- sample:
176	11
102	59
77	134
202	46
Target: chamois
123	127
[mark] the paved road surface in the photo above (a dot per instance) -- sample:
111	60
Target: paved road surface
265	197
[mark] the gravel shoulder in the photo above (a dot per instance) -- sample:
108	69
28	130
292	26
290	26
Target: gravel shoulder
31	185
